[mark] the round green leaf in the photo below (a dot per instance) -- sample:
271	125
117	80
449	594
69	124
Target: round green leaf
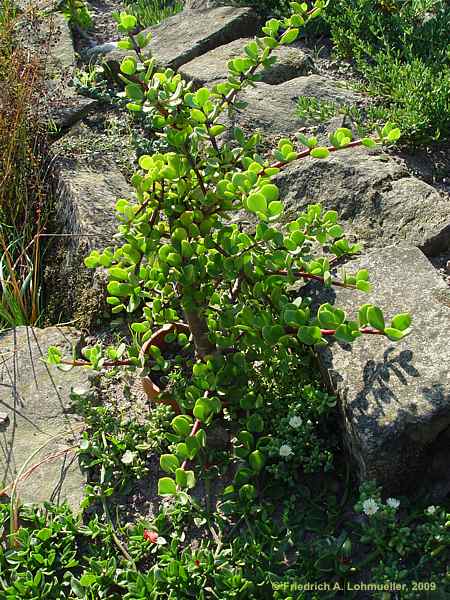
401	321
181	478
257	203
270	192
375	318
320	152
275	208
167	487
247	492
394	334
363	286
309	335
290	36
202	409
255	423
198	116
128	66
181	425
256	461
169	463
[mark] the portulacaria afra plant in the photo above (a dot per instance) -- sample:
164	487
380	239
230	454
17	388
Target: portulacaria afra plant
180	260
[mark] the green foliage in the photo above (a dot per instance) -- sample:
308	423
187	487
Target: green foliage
23	145
401	48
117	441
277	8
77	14
178	258
296	443
61	556
152	12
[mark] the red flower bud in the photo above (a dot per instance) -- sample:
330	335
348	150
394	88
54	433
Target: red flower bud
150	536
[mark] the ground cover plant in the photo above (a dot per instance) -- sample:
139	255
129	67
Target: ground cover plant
23	210
152	12
77	14
401	50
300	531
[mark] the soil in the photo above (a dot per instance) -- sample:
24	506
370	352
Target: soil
104	26
101	138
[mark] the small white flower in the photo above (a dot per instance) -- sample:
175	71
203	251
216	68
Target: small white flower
431	510
285	450
295	422
393	502
128	457
370	507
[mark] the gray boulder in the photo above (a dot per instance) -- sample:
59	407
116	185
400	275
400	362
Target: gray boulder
39	424
85	216
394	397
48	36
375	197
211	68
271	108
191	33
203	4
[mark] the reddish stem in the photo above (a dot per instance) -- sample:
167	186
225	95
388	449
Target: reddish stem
281	164
365	330
85	363
304	275
194	430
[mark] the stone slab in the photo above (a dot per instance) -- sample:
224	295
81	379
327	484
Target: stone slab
202	4
271	108
85	201
85	216
394	397
191	33
35	397
48	35
376	198
211	68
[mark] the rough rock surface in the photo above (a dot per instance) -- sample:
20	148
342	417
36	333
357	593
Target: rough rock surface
211	68
85	201
84	214
202	4
271	108
375	197
50	38
35	398
191	33
395	396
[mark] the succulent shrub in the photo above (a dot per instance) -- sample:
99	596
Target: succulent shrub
181	257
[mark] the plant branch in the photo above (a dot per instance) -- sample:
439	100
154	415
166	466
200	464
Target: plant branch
304	275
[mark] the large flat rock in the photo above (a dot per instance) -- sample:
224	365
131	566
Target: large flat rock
395	396
39	416
191	33
85	220
376	198
211	68
47	35
271	108
85	200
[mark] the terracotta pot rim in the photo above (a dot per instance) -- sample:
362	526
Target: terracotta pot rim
157	339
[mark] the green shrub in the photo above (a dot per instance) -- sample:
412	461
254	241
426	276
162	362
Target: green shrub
152	12
181	259
402	49
268	7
